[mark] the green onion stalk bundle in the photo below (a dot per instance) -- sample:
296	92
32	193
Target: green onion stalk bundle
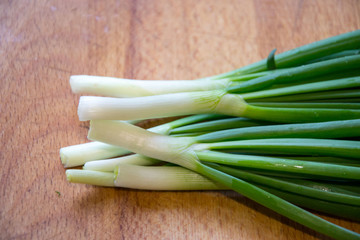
283	132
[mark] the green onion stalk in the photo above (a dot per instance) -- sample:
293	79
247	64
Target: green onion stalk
262	103
80	154
236	101
283	132
343	45
77	155
196	156
160	178
314	195
332	129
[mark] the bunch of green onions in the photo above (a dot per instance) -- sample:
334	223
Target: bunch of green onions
283	132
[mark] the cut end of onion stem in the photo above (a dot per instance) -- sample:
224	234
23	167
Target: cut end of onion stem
105	179
78	155
63	158
75	83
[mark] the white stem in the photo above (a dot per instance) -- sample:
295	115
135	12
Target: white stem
77	155
90	177
109	165
176	104
161	178
138	140
117	87
168	178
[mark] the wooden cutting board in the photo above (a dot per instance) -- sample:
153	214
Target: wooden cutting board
43	42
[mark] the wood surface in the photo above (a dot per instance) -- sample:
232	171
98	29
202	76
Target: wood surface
42	43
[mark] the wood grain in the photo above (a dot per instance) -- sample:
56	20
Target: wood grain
42	43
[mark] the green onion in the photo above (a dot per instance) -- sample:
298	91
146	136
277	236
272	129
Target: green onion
90	177
109	165
298	115
308	105
164	178
214	125
335	47
301	55
341	210
230	104
224	101
331	129
92	108
116	87
339	96
281	165
344	83
278	205
181	152
289	185
302	146
172	178
298	73
283	132
77	155
337	55
335	129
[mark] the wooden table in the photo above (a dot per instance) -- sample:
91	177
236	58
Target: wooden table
42	43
